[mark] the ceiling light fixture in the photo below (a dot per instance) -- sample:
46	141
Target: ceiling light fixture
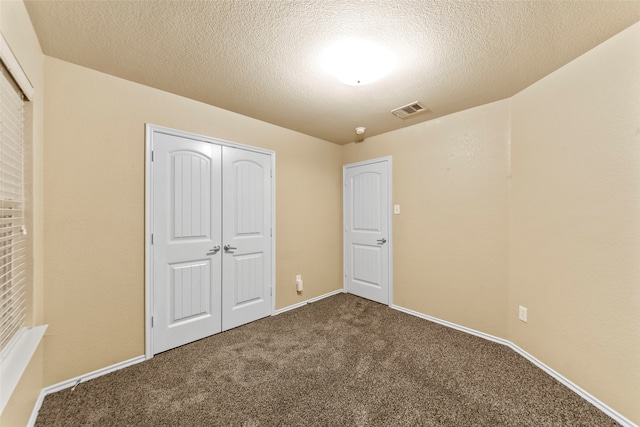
356	62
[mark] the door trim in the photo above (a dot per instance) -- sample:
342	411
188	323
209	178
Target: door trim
150	130
388	160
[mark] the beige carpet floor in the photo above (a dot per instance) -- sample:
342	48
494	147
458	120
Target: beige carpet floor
342	361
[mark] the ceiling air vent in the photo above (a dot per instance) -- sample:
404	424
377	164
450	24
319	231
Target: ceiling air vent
409	110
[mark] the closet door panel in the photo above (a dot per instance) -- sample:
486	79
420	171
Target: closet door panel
187	226
246	218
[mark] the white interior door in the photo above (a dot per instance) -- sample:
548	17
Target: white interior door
367	236
187	230
204	196
246	280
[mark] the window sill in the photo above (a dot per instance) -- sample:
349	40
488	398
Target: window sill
13	365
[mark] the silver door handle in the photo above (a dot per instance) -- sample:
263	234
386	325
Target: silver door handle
214	250
228	247
382	241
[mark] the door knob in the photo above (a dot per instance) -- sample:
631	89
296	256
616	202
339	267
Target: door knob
382	241
214	250
228	247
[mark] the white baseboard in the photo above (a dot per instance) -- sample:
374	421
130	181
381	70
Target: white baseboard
77	380
581	392
452	325
303	303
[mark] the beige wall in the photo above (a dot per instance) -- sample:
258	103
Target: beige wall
450	240
571	211
23	400
575	222
16	27
94	201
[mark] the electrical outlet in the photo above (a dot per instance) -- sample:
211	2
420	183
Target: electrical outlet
522	313
299	285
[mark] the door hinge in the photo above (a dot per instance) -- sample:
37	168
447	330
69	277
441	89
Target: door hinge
345	273
152	156
152	321
152	238
271	173
271	232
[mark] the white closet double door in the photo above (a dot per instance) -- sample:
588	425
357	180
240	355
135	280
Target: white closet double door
211	239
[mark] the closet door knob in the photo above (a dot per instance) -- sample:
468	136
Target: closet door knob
228	247
214	250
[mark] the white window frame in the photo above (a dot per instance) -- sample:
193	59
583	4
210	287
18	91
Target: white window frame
24	343
13	250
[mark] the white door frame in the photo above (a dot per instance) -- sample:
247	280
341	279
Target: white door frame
388	160
150	129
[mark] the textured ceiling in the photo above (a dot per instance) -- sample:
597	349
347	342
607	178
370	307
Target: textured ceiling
261	58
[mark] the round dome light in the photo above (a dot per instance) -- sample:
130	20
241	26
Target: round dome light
356	62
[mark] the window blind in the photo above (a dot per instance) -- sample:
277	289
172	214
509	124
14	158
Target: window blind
12	240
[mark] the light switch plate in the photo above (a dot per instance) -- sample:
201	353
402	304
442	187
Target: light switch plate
522	313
